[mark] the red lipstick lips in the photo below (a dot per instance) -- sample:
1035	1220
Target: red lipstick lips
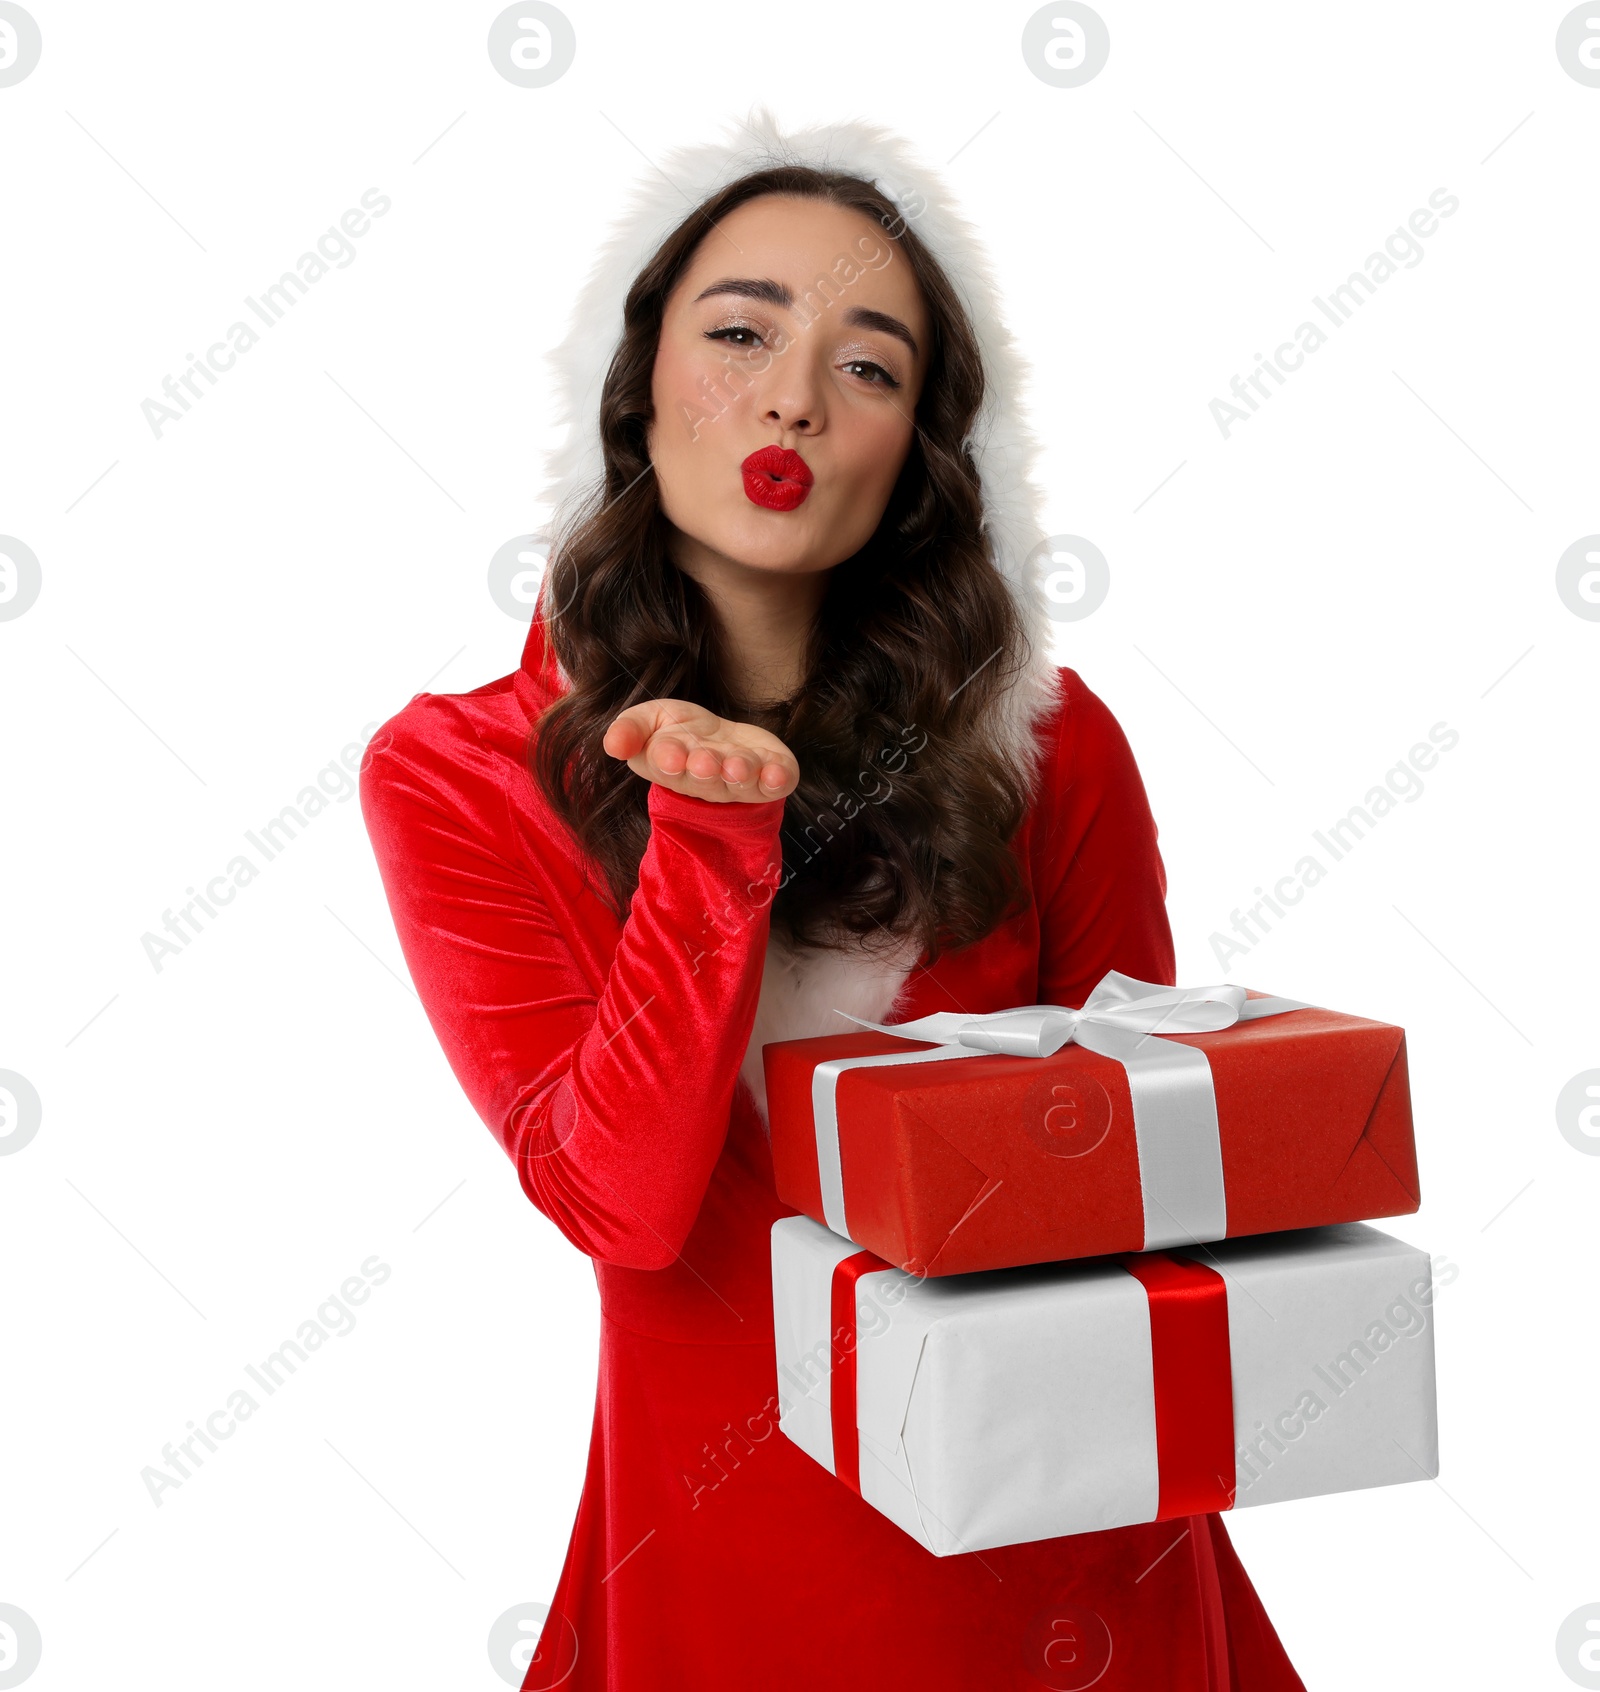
776	478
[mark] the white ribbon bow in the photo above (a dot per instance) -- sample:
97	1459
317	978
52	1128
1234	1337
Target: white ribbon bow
1119	1003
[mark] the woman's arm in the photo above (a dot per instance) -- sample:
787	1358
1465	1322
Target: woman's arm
613	1105
1101	884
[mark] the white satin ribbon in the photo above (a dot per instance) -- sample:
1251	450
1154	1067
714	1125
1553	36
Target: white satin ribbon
1174	1101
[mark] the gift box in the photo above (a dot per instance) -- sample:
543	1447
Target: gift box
1021	1404
1153	1116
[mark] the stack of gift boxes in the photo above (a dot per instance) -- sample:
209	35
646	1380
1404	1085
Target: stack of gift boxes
1063	1270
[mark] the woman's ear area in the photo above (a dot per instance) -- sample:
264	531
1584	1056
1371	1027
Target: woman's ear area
652	410
672	306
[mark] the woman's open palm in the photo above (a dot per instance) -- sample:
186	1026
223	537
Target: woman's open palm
691	750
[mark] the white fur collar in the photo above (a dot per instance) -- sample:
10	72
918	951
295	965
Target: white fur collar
800	995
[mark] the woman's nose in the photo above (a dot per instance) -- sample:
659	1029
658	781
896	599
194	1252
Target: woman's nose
788	394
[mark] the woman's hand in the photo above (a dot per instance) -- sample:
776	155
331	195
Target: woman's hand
687	749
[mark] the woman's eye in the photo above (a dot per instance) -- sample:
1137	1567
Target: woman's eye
732	330
866	364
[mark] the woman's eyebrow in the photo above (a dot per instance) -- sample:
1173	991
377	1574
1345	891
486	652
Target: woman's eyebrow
778	294
864	317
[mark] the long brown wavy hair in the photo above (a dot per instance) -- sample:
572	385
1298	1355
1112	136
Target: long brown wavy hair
902	821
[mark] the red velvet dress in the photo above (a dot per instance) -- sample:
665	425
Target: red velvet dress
709	1552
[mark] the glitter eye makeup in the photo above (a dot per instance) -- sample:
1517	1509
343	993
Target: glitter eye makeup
885	378
877	375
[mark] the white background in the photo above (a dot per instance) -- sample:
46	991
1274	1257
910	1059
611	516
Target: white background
225	1140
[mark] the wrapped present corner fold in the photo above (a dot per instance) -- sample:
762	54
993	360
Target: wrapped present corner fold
1150	1117
1021	1404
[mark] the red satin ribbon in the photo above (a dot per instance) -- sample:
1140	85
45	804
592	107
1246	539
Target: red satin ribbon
1189	1356
842	1372
1193	1382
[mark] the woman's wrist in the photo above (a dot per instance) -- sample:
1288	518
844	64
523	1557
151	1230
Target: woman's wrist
755	816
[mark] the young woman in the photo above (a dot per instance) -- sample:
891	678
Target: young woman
786	739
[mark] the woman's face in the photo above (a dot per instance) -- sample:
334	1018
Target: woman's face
797	328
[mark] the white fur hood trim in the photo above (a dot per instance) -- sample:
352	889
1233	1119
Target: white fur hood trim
798	998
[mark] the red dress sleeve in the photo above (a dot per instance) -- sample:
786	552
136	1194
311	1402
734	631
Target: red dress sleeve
1102	893
612	1096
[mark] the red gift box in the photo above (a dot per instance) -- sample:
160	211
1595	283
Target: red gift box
944	1167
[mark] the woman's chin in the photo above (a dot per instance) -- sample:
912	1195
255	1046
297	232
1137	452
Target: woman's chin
783	542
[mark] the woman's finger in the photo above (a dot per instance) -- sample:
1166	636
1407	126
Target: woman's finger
704	763
625	738
739	768
669	753
631	730
687	748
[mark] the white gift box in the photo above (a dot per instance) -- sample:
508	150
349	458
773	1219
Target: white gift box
1021	1404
